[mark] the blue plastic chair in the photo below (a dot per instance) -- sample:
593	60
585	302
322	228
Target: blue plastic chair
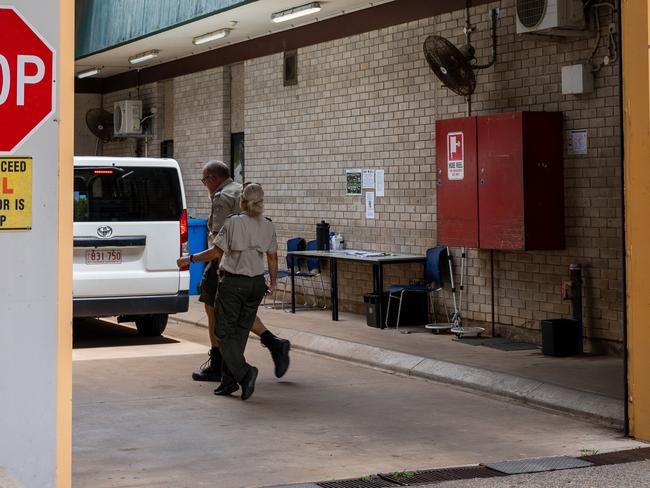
313	274
293	244
434	277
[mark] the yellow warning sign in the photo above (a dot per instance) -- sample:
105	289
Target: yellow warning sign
15	194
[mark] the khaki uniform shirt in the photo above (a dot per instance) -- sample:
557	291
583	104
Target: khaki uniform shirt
225	202
244	241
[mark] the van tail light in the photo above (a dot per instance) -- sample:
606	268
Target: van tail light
184	238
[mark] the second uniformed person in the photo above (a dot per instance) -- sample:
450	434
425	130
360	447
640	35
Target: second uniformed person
225	196
242	243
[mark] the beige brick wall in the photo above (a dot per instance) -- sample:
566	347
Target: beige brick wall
201	130
370	101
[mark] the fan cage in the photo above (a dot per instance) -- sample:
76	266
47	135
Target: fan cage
531	12
450	65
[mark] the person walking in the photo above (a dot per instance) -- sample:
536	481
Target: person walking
225	195
241	244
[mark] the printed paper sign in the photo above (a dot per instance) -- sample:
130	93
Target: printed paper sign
353	181
370	205
577	143
455	156
15	194
379	182
368	179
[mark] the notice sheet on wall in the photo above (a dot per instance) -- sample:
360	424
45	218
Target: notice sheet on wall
578	142
368	179
370	204
379	182
353	181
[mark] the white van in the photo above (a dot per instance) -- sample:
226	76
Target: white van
130	227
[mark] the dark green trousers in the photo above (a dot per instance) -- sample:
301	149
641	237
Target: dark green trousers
236	306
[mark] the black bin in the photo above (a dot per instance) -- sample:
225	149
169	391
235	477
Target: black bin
415	310
560	337
375	309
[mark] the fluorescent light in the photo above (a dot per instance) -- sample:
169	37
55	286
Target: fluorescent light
142	57
88	72
211	36
292	13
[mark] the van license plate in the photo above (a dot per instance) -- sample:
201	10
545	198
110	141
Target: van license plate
105	256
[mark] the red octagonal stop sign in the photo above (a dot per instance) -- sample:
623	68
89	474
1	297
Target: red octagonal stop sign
26	79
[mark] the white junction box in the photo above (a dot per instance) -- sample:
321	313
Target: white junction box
577	79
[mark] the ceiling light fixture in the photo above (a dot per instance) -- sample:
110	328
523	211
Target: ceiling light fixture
88	72
211	36
292	13
145	56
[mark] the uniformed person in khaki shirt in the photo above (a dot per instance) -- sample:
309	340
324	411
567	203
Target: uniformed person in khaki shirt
225	195
241	244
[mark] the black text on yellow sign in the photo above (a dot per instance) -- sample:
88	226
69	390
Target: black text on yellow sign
15	194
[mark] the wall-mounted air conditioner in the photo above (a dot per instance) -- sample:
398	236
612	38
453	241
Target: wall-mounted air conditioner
126	117
555	17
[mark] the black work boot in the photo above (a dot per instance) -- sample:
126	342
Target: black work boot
225	389
279	349
248	383
211	369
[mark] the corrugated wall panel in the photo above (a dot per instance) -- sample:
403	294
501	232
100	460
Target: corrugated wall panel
102	24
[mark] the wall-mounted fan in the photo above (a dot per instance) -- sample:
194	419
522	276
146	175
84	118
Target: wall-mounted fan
100	123
456	67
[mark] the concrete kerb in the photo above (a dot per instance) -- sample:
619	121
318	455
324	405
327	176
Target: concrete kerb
590	405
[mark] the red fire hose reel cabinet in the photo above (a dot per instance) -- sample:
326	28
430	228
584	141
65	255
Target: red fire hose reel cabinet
500	182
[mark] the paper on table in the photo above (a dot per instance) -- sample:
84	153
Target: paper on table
370	205
379	182
368	178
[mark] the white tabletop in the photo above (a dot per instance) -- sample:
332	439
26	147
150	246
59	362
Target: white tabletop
360	255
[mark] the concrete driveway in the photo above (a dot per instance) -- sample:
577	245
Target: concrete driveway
139	420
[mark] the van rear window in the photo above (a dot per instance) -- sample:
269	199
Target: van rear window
129	194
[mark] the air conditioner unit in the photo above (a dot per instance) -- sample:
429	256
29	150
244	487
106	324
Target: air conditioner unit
555	17
126	117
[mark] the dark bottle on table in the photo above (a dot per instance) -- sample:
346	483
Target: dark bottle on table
323	236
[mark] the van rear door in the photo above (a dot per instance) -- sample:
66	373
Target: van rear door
126	230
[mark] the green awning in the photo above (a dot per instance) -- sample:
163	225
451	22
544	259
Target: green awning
105	24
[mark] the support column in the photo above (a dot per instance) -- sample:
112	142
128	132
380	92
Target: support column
636	128
36	243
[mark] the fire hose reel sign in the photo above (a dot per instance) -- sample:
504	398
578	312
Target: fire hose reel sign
455	156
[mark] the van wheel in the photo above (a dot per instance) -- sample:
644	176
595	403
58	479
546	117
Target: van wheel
151	325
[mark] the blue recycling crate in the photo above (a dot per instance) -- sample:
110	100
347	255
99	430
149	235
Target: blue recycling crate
198	241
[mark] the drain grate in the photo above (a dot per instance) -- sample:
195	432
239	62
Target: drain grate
365	482
439	475
539	464
619	457
414	478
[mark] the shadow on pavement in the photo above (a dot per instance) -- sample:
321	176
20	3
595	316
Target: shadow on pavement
88	333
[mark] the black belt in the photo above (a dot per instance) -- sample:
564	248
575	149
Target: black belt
234	275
